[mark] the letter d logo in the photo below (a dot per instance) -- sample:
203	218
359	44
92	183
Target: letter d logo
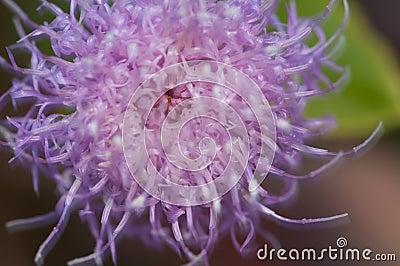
262	252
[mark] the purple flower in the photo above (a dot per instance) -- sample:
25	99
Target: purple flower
103	53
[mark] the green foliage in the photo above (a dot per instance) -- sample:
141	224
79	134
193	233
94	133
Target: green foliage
373	93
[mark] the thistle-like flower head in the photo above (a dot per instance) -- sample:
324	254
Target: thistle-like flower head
141	96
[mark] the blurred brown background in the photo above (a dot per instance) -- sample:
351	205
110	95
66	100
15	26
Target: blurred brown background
368	188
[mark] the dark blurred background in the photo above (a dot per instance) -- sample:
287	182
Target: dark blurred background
368	188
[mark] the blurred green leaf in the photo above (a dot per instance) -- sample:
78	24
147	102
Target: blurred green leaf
373	93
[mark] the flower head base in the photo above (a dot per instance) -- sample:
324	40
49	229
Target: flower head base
84	127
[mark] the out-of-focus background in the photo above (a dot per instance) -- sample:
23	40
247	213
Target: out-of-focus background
368	188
